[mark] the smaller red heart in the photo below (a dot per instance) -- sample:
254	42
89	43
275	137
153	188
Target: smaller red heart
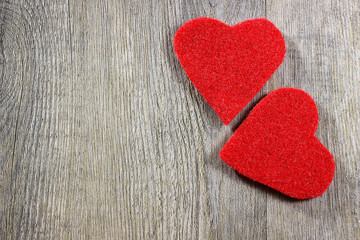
276	146
229	64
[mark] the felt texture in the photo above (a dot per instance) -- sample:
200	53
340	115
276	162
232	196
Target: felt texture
276	146
229	64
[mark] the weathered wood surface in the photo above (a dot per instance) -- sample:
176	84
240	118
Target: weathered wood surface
102	136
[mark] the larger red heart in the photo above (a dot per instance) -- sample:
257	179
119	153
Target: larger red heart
229	64
276	146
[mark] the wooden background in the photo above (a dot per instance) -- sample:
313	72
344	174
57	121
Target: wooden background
102	136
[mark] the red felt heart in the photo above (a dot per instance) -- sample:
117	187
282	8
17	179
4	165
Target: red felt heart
276	146
229	64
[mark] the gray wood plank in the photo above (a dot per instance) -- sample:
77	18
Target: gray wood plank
323	60
102	136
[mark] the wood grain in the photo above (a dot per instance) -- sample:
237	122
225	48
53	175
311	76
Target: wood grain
102	136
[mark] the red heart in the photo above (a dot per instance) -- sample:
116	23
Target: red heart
276	146
229	64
